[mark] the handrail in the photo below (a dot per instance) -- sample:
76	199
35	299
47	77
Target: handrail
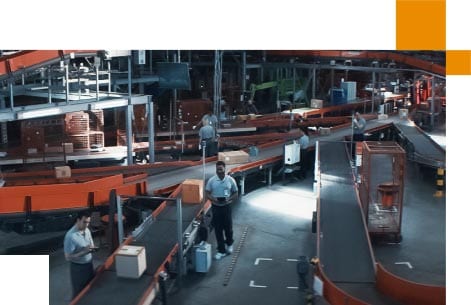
374	55
408	292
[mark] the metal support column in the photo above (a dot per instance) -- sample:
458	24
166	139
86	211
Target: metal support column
67	90
244	74
10	84
119	212
313	82
150	128
432	105
97	77
109	76
3	125
373	93
270	173
217	83
180	239
49	85
331	86
242	185
129	117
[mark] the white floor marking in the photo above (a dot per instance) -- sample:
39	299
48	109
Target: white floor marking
256	286
258	259
405	263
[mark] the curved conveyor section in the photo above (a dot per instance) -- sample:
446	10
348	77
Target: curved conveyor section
425	150
344	247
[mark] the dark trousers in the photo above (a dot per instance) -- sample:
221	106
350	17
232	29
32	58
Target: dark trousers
222	223
356	138
211	148
81	275
305	163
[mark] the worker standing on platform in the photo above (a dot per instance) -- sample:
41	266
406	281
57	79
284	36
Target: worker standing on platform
221	190
212	121
207	135
250	108
304	143
78	248
358	125
211	118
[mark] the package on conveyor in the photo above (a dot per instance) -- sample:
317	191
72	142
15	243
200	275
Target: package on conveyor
192	191
131	261
233	157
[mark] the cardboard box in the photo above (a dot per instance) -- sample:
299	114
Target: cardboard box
192	191
131	261
68	147
62	172
382	117
233	157
52	149
403	114
324	131
32	151
242	117
315	103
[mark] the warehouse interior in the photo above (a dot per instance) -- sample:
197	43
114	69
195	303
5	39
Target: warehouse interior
116	132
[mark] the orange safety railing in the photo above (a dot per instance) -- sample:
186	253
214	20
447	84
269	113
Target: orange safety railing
24	59
68	195
408	292
334	295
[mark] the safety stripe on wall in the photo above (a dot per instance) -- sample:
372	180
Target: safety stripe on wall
421	25
458	62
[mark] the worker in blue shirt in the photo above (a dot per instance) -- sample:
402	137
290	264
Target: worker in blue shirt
305	160
78	248
221	190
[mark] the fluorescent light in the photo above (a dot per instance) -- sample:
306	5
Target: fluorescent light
38	113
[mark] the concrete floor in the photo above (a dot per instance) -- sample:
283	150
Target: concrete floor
277	225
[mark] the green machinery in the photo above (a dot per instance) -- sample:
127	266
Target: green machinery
287	90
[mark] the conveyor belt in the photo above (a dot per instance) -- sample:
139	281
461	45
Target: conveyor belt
344	248
158	241
344	245
425	151
196	172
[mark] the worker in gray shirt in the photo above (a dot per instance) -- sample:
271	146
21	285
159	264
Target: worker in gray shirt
359	125
207	139
78	248
211	118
